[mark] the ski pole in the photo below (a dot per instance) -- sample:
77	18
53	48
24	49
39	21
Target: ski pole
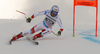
54	33
22	13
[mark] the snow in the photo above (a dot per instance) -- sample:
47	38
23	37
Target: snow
12	22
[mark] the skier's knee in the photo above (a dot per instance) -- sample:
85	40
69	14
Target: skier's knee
32	30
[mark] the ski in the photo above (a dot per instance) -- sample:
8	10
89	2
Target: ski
33	41
10	42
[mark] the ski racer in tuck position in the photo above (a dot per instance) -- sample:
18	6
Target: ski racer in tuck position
51	17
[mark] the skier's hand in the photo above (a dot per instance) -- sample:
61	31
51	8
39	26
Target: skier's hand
28	20
59	32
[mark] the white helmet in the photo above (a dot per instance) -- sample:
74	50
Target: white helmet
55	10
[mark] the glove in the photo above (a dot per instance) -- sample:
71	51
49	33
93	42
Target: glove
28	20
59	32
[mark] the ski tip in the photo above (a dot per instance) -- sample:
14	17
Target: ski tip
10	42
36	43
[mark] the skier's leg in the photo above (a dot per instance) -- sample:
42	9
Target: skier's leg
16	37
20	35
33	30
37	28
43	33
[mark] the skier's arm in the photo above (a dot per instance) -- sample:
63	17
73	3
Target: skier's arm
61	26
36	14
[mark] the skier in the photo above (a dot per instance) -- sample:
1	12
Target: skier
45	26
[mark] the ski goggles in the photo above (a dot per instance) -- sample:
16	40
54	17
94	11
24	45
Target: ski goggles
55	13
